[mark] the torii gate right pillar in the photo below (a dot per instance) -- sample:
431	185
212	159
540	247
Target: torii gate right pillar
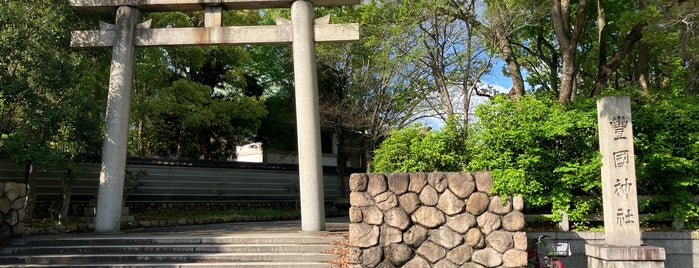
307	117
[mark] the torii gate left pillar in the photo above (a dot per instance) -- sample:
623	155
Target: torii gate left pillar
127	34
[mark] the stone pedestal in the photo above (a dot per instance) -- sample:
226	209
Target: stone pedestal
605	256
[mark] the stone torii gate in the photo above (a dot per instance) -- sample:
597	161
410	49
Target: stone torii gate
302	32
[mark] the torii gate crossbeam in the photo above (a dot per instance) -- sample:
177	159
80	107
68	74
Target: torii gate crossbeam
126	34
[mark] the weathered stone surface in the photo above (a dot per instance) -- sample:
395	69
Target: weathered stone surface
431	251
445	237
415	235
450	203
417	262
429	217
19	203
474	238
355	214
460	223
520	240
461	254
12	218
398	254
386	200
487	257
477	203
372	256
398	182
364	235
498	207
390	235
472	265
358	182
5	205
2	188
438	180
409	202
355	255
361	199
514	258
372	215
518	203
12	190
488	222
445	263
514	221
429	196
417	181
377	184
461	184
396	217
500	241
484	182
385	264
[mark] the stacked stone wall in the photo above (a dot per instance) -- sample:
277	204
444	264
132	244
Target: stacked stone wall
434	220
12	196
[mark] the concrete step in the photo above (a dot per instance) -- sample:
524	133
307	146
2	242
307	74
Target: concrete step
174	248
174	240
183	265
167	258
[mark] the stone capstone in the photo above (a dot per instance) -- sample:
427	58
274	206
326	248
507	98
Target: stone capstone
365	235
398	182
438	180
429	196
460	255
500	241
487	257
445	237
358	182
429	217
450	203
477	203
417	182
377	184
398	254
431	251
461	184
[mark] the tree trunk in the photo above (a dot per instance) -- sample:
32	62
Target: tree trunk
605	70
513	67
29	203
568	37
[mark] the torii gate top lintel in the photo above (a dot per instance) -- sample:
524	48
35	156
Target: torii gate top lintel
108	6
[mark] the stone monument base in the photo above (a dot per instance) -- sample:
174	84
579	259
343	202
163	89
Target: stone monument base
605	256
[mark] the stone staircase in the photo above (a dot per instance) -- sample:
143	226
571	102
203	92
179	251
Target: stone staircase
284	249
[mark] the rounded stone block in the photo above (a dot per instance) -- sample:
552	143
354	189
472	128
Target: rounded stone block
12	190
415	236
409	202
385	264
417	262
390	235
518	203
372	215
377	184
398	182
460	255
477	203
500	206
513	221
19	203
429	196
460	223
361	199
5	205
355	215
417	182
445	263
355	255
489	222
396	217
500	241
461	184
371	256
449	203
429	217
475	239
487	257
386	200
445	237
520	240
514	258
431	251
438	180
484	182
398	254
363	235
358	182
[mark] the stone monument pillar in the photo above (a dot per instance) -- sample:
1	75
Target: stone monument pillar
307	117
622	246
121	79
